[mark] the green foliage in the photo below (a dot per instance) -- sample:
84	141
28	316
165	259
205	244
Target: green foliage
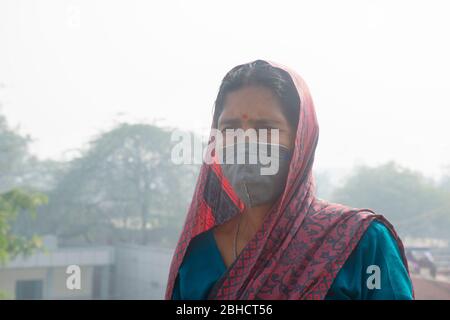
11	204
15	202
416	205
121	189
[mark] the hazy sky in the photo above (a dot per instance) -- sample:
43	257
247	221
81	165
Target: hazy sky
379	71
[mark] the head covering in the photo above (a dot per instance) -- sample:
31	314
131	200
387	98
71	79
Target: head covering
303	242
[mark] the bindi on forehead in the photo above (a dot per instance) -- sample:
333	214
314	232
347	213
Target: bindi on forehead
244	116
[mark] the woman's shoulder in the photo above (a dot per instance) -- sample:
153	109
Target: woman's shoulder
377	233
377	229
376	256
379	244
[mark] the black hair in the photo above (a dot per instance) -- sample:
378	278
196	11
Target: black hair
260	72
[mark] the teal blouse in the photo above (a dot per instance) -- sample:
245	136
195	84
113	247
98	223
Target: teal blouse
203	265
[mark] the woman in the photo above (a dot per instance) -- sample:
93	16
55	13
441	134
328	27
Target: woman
277	240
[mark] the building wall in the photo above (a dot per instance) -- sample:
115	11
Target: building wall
54	281
8	278
141	272
122	272
59	289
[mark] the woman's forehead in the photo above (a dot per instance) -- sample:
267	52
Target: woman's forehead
249	103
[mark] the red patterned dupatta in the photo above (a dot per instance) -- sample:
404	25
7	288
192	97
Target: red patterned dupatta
303	242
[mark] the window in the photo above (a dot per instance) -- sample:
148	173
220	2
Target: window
29	289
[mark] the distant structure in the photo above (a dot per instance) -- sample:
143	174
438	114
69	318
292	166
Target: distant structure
122	272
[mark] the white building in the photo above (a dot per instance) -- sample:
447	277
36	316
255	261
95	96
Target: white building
123	272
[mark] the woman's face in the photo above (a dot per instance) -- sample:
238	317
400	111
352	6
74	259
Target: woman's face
256	107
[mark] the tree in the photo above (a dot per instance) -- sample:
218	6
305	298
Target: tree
14	202
11	204
413	203
123	187
13	155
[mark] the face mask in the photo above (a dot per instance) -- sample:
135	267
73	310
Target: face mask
256	182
